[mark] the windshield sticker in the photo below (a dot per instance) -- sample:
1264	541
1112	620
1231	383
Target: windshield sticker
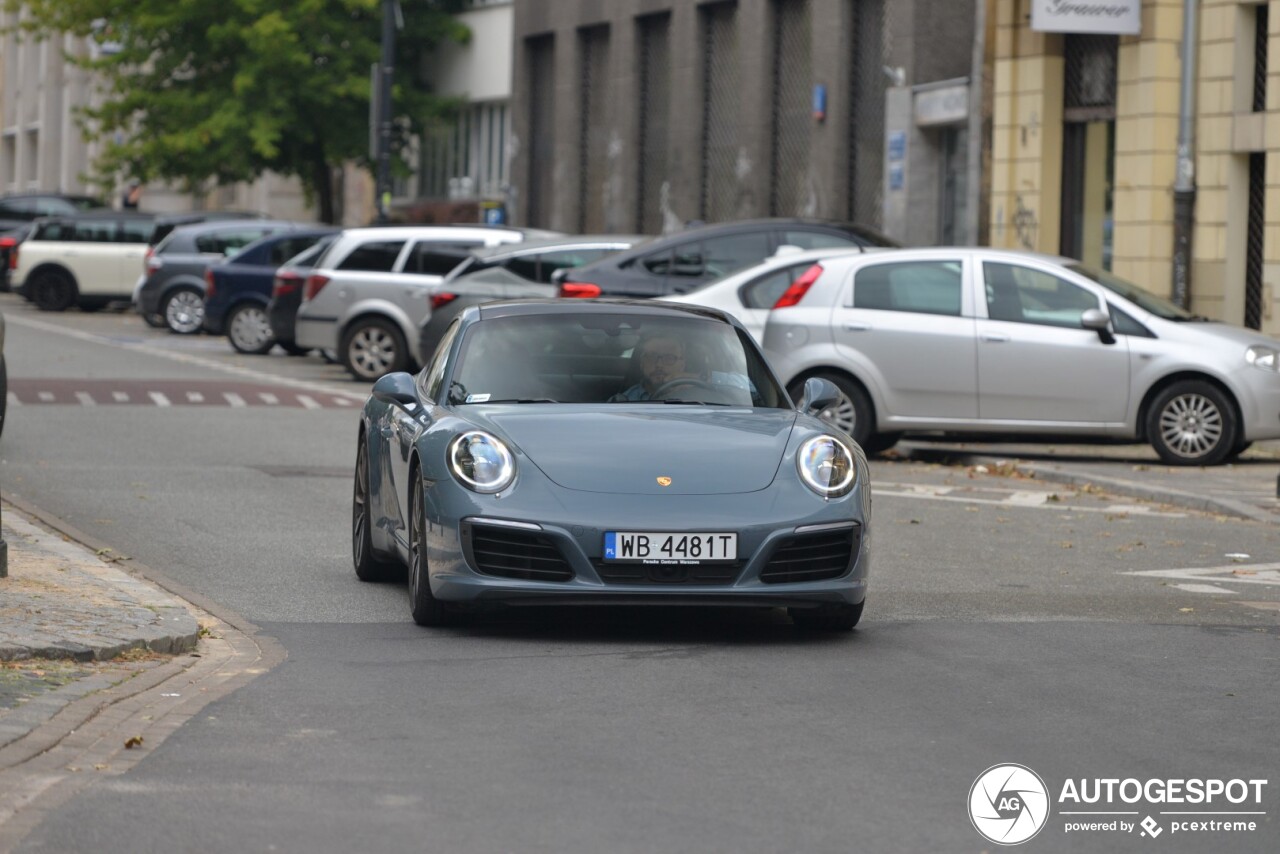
478	398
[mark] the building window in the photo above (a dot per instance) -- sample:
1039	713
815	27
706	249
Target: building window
540	62
721	108
1088	148
868	83
593	128
791	119
654	33
1260	35
466	159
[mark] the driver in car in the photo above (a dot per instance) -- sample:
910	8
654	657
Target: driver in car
662	359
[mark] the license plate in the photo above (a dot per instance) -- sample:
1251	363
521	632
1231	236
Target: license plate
658	548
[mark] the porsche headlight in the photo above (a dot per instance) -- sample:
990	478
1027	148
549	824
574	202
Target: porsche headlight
827	466
481	462
1267	358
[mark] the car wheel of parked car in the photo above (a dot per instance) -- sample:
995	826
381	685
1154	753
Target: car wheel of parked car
249	330
368	566
1240	448
851	413
829	618
372	347
184	311
52	290
1192	423
4	392
427	610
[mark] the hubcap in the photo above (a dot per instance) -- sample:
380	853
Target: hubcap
373	352
250	329
185	311
841	414
1191	425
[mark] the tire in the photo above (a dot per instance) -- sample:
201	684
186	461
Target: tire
1192	423
183	311
368	566
155	321
426	609
852	413
249	331
372	347
293	349
52	290
1238	449
829	618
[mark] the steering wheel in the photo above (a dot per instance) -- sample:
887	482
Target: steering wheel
693	382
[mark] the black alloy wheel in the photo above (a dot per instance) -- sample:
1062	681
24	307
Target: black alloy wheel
369	567
427	610
53	290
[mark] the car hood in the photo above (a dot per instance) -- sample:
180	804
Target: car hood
1226	333
703	450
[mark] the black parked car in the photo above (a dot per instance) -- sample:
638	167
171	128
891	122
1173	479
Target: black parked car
238	289
680	262
286	293
173	290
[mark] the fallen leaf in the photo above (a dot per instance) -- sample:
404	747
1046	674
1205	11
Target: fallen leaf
132	742
1244	572
1186	610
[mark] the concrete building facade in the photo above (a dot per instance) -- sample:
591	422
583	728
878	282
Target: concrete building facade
641	115
1085	149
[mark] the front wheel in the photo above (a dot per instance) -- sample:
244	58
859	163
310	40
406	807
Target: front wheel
1192	423
372	347
52	290
367	564
426	609
184	311
248	330
851	413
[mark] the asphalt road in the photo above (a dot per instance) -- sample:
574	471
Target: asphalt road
1005	624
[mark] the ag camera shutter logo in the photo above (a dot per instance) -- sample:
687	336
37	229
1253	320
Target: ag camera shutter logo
1008	804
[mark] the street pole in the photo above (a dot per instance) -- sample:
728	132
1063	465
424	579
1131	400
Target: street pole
1184	186
385	68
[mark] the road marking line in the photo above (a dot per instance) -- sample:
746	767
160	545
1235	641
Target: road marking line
268	398
46	396
342	401
1204	588
86	399
1267	574
879	491
1028	499
12	399
120	396
159	398
195	397
308	402
234	399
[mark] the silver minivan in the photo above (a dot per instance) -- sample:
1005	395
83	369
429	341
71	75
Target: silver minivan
976	341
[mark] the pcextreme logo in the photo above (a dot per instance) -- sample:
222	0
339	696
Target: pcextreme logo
1008	804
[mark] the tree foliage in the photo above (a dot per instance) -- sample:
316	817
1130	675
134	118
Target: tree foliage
194	91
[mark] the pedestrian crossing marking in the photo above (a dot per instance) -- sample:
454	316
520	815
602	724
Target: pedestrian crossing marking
170	393
159	398
234	399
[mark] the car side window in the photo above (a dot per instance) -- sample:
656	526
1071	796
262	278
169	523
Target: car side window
18	208
222	242
434	372
765	291
136	231
377	256
96	231
921	287
728	254
1023	295
1126	325
434	258
817	240
658	263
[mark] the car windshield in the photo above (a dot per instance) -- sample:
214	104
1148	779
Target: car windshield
611	358
1140	297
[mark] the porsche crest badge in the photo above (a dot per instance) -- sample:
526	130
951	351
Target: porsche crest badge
664	481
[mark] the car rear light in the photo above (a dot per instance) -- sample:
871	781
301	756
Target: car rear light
792	295
579	290
209	287
442	299
315	284
13	251
284	284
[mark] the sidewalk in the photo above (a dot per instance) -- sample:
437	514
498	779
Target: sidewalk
1247	488
72	623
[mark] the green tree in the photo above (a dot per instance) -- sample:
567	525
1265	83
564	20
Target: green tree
200	91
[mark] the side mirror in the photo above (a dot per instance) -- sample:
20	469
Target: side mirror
819	394
397	388
1099	321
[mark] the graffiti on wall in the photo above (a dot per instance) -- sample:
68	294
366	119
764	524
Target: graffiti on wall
1025	224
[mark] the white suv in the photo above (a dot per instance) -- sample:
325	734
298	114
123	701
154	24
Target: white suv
87	259
367	295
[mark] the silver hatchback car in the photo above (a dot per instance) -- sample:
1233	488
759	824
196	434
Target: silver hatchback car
987	341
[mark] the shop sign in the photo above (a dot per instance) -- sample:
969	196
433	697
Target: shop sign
942	106
1121	17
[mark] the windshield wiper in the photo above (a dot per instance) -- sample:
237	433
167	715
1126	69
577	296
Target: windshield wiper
523	400
680	402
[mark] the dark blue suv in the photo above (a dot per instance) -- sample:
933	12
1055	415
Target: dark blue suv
238	289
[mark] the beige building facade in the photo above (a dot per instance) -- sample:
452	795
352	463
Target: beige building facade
1085	149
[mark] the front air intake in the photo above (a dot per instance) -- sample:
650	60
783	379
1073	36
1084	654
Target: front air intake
812	557
514	553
